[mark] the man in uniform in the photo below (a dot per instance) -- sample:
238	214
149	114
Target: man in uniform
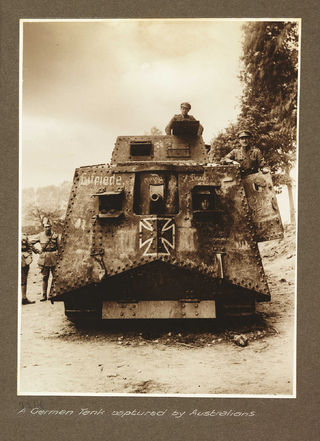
48	255
26	259
183	116
250	158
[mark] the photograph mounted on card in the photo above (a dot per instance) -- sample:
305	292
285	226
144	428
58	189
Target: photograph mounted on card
163	244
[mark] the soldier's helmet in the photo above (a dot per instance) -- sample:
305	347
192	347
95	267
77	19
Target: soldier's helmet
244	134
187	105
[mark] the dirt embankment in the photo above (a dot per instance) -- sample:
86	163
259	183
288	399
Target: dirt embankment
253	356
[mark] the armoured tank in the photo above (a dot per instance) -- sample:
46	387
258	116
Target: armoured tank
163	233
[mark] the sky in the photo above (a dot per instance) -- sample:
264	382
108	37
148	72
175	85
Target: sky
85	83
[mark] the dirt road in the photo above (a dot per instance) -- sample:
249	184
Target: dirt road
164	358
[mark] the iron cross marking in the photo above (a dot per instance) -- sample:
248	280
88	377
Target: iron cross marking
156	236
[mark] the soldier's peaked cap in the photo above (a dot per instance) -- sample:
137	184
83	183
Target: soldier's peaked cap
186	105
244	134
47	223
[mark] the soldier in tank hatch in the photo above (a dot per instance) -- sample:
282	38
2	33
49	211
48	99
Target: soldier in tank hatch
26	258
249	157
183	116
48	255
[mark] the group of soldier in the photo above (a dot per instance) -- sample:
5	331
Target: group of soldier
248	157
48	251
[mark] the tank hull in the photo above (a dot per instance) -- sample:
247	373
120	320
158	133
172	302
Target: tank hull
148	238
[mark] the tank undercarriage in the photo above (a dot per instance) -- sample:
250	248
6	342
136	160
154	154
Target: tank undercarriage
160	290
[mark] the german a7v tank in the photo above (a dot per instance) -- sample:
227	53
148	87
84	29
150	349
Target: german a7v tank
162	233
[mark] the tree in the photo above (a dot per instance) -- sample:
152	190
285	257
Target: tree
154	131
44	202
270	94
224	143
35	216
269	101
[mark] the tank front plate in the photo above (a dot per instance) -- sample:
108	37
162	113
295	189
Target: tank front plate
162	309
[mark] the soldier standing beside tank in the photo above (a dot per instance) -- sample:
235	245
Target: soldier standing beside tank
183	116
26	258
48	255
250	158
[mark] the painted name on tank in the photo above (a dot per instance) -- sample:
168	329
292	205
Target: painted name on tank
87	179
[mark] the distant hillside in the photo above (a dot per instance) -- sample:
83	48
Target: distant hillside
50	201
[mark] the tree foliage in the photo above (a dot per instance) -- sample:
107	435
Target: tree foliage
154	131
270	58
37	215
269	101
44	202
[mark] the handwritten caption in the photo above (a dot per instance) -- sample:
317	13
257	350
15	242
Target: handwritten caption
38	410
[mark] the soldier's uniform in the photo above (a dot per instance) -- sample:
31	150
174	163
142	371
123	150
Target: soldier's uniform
250	160
48	258
26	259
181	117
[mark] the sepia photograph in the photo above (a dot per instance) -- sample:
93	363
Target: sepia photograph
158	207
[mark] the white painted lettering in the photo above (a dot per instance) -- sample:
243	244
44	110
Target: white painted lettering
100	180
